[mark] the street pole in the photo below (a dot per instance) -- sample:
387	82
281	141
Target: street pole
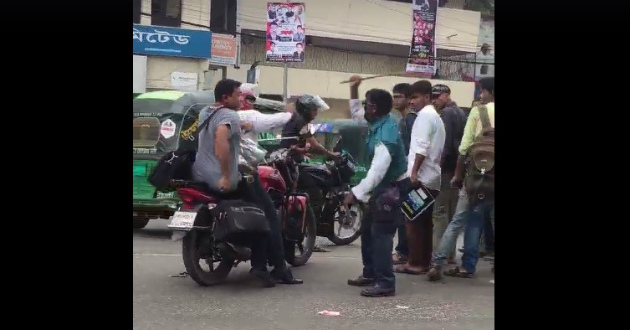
285	81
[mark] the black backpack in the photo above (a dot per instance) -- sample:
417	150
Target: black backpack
175	165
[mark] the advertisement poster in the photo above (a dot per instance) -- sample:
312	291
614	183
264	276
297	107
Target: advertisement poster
285	32
422	52
223	51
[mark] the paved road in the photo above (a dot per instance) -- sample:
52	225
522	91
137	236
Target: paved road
163	302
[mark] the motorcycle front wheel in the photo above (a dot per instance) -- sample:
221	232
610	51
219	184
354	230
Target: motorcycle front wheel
305	248
193	263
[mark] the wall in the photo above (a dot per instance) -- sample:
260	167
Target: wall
159	68
326	83
317	58
371	20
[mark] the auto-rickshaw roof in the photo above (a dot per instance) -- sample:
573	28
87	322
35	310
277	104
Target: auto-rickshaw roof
182	101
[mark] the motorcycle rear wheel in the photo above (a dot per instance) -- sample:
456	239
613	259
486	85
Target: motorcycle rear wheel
308	242
191	256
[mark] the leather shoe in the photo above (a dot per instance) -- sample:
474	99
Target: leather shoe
285	277
377	291
361	281
263	277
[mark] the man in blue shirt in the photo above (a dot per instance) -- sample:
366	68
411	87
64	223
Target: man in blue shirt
386	180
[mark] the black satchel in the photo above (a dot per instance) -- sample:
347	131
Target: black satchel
175	165
238	221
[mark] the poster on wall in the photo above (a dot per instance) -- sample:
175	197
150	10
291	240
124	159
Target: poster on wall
223	51
285	32
184	81
139	74
422	52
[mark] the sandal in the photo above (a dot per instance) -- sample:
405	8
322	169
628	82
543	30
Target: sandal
399	258
456	272
402	269
434	274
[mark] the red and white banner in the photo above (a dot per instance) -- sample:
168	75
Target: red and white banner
422	52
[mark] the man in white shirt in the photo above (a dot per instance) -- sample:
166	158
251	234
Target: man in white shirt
260	122
423	166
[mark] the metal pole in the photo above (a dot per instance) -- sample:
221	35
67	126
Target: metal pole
285	88
285	80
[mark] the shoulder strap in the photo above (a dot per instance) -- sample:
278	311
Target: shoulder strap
207	121
483	116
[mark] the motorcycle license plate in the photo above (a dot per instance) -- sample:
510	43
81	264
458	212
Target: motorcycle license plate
183	220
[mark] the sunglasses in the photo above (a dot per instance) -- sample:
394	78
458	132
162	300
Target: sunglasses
366	104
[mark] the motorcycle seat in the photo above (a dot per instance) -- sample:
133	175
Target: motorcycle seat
203	188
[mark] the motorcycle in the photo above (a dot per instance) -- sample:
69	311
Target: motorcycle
208	261
297	218
333	178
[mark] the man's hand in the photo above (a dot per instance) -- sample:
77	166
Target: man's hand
349	199
415	184
457	182
247	126
290	107
224	183
355	81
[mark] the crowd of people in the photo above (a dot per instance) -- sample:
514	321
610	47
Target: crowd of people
430	147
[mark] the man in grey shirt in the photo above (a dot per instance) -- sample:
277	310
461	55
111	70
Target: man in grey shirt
217	166
209	167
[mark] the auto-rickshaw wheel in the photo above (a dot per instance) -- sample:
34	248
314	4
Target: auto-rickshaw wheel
139	223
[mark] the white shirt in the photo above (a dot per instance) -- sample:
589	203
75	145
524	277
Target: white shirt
262	122
427	139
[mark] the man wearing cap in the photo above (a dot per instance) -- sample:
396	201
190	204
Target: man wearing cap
454	120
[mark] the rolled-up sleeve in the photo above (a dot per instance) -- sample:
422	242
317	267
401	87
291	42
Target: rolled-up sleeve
421	135
356	110
469	131
380	163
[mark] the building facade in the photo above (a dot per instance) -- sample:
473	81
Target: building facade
343	37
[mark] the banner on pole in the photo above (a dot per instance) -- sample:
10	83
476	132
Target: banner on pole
422	51
285	32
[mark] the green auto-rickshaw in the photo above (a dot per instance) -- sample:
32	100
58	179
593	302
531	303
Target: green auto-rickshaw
162	122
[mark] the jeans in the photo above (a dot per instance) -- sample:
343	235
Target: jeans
377	242
470	218
275	247
444	210
488	232
476	218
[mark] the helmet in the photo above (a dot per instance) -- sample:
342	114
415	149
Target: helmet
306	104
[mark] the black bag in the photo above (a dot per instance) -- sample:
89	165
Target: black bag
175	165
238	221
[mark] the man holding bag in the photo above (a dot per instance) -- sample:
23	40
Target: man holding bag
388	182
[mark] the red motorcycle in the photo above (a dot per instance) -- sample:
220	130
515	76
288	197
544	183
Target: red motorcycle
297	219
208	261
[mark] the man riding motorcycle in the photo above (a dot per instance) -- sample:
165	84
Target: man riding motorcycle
261	122
217	166
298	127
